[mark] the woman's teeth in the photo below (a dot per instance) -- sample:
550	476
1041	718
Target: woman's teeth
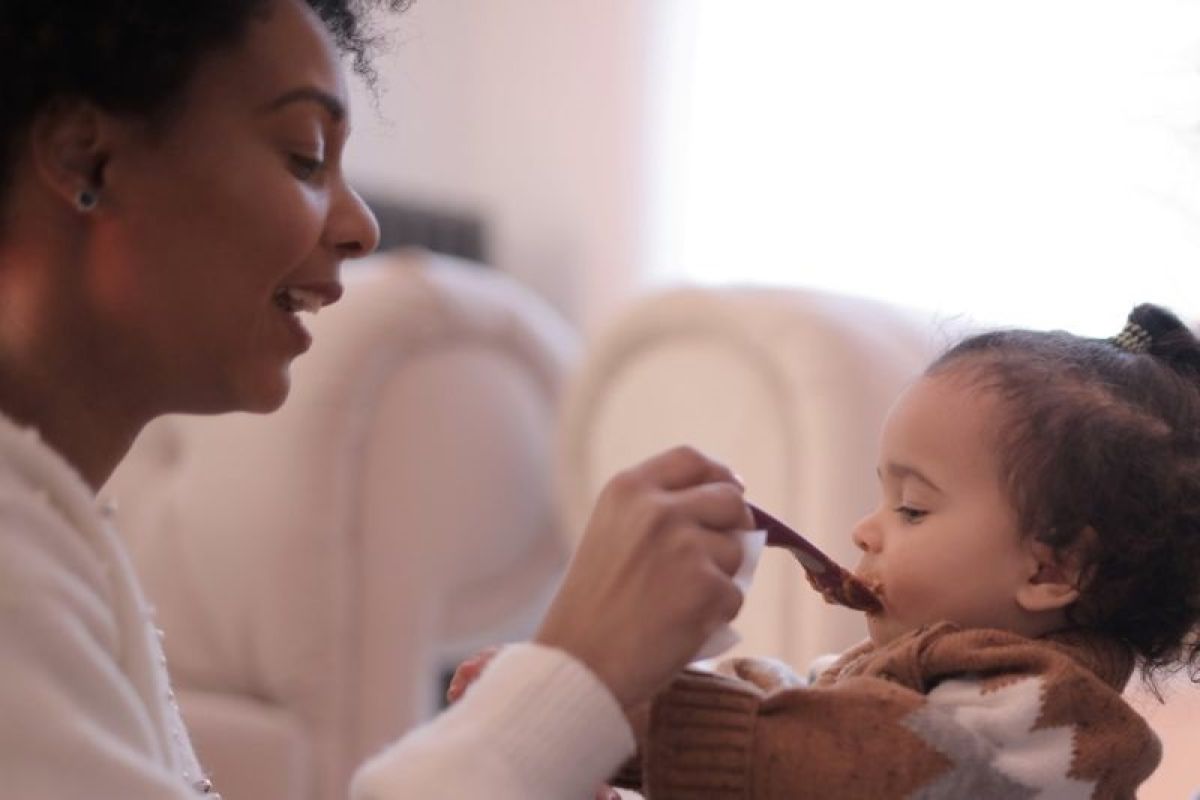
293	300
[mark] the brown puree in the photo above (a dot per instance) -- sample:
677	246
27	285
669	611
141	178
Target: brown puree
847	589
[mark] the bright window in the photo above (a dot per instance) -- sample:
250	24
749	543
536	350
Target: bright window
1031	162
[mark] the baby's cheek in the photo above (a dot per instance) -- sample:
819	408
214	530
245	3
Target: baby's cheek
911	601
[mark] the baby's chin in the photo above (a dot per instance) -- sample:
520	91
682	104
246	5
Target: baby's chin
884	630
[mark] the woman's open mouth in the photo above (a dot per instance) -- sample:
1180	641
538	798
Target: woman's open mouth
293	299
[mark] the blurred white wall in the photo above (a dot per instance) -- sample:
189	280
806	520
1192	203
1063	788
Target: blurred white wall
532	113
990	158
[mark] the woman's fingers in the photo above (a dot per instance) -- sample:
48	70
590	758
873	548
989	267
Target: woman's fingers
683	467
722	548
724	601
719	505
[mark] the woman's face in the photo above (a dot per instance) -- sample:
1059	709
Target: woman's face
207	225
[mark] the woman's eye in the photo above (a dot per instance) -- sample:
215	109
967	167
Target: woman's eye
910	514
306	167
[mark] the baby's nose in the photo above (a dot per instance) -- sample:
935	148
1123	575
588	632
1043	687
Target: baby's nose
865	536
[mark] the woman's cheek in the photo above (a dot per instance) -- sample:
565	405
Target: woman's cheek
286	211
294	224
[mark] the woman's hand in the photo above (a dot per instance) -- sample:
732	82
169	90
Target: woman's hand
651	579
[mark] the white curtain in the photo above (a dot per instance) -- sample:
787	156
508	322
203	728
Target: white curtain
1032	162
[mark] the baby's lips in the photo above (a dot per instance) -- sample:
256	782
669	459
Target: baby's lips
867	593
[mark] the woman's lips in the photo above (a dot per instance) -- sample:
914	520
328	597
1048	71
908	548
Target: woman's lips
299	335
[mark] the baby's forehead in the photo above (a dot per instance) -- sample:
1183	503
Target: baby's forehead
946	423
965	388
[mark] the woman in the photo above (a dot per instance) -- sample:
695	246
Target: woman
171	196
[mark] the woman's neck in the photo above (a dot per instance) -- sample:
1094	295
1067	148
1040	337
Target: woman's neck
56	374
76	420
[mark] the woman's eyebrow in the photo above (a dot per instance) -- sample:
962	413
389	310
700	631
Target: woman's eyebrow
334	106
900	471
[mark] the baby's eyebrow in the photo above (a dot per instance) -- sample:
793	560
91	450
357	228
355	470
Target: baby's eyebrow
901	471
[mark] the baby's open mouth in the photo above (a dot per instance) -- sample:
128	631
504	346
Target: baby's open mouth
867	593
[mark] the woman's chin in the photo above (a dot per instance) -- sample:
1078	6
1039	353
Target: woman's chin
269	397
260	393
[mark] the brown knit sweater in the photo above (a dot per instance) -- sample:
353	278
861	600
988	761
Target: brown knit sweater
938	713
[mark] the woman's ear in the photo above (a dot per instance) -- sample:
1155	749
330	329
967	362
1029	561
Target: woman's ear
1053	581
69	149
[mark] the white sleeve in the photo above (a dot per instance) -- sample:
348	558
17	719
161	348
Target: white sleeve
71	723
536	724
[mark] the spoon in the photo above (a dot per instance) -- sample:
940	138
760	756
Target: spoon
835	583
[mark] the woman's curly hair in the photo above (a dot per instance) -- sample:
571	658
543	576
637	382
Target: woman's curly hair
1100	453
134	56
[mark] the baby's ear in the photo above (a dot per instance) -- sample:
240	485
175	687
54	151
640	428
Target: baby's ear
1053	581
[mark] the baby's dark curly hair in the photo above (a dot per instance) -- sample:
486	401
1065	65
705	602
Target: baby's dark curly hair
1102	435
134	56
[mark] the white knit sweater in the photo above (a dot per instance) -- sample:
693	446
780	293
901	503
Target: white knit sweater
86	710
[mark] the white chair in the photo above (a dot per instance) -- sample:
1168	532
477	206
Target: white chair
317	570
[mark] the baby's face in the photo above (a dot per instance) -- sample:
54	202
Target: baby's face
943	545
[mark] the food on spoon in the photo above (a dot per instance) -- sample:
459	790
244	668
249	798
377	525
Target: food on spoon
861	594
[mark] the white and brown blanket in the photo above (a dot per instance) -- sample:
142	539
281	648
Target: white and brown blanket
939	713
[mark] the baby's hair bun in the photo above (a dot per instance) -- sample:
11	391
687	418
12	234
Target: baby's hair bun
1164	336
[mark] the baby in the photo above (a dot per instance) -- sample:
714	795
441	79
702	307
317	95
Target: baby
1037	539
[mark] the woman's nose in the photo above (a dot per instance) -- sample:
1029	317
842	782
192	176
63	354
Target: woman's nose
866	535
352	228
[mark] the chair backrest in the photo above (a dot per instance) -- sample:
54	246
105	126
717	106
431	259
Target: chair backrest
789	387
330	559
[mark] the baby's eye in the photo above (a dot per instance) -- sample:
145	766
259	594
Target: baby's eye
910	514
